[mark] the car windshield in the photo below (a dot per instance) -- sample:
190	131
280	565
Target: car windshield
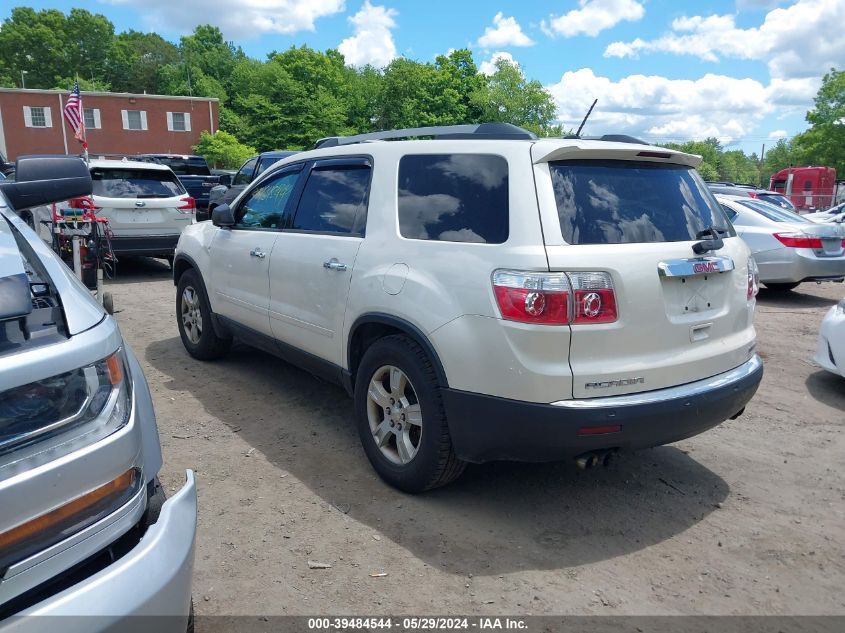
774	213
186	166
614	202
135	183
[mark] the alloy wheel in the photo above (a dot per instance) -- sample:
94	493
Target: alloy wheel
191	315
394	414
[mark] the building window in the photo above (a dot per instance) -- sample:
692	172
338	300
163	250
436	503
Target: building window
37	116
92	118
134	119
179	121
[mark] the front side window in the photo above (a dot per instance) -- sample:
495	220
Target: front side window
244	175
334	200
616	202
454	198
264	206
135	183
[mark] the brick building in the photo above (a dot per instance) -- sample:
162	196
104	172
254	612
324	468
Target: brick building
31	122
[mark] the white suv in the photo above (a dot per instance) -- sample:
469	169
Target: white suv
485	295
145	203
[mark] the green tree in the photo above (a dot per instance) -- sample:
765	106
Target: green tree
414	94
824	142
223	150
465	79
509	97
136	60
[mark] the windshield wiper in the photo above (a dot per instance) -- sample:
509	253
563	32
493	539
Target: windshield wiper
713	244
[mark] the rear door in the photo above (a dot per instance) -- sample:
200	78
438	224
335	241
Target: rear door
140	201
312	262
681	316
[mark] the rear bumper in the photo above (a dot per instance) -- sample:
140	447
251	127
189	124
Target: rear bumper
799	265
153	579
152	245
486	428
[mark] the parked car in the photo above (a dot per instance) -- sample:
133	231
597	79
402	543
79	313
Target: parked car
85	529
830	352
468	323
788	248
834	214
249	171
146	206
195	174
752	191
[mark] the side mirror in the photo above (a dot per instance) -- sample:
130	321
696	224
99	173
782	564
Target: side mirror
223	217
43	180
225	180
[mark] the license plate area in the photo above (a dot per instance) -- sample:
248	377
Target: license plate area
695	288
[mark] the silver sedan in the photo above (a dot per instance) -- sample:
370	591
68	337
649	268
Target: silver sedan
788	248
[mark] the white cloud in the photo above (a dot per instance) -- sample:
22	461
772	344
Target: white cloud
488	67
372	42
659	109
799	41
593	17
504	32
237	18
778	134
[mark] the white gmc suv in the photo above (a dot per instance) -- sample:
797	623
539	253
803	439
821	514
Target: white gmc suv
485	294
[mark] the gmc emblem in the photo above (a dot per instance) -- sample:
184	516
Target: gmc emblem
705	267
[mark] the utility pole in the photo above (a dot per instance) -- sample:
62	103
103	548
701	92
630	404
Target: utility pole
762	156
23	83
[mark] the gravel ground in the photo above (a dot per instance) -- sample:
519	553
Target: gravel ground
744	519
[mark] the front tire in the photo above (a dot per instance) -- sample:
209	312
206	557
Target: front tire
401	419
782	287
193	316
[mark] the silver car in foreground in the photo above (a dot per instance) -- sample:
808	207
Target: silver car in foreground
85	529
788	248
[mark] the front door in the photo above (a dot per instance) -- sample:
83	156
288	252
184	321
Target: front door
313	260
241	254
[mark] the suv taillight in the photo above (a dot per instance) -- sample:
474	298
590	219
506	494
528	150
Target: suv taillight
753	279
189	205
555	298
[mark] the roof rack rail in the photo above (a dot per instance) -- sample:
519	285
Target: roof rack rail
610	138
494	131
118	156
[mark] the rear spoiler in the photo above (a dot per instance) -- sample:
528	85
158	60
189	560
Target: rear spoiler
548	150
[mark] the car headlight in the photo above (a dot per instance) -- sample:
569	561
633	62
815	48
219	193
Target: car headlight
97	395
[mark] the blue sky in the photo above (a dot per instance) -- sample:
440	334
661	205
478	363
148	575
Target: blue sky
742	70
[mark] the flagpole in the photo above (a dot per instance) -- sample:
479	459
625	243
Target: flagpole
84	130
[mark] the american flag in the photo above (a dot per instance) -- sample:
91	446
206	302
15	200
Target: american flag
74	115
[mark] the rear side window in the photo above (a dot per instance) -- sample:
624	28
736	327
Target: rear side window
136	183
454	198
616	202
773	213
334	200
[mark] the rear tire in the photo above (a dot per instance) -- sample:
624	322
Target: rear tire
781	287
193	317
395	387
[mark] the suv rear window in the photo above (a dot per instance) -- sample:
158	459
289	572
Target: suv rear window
454	198
135	183
186	167
615	202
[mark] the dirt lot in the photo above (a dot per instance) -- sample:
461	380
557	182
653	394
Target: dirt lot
745	519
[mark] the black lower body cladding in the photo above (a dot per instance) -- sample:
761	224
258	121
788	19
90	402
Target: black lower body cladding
486	428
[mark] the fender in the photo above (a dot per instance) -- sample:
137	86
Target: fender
404	326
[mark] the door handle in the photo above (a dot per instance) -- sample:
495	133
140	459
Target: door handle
333	264
257	252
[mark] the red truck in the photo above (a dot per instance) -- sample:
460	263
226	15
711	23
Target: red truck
809	188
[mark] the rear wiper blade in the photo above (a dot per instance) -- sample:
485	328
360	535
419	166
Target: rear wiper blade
713	244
